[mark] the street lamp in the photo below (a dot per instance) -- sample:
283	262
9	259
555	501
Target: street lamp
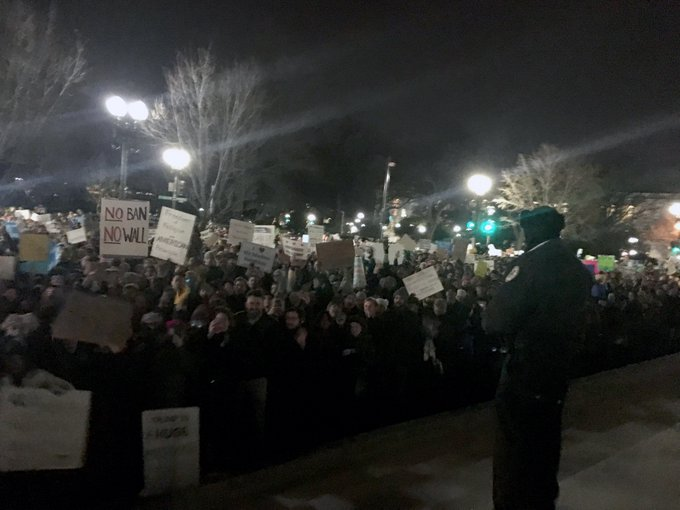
360	215
138	112
177	159
422	229
633	240
311	217
674	209
480	184
390	164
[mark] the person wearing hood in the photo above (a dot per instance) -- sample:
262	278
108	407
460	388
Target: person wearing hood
540	310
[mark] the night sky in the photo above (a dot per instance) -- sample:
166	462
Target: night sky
475	82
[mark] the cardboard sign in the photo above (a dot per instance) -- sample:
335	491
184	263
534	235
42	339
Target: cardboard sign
335	254
34	247
481	268
262	257
408	243
423	283
124	228
264	235
94	319
7	268
76	236
173	235
424	245
396	251
240	231
24	214
296	250
171	449
316	233
606	263
40	430
460	247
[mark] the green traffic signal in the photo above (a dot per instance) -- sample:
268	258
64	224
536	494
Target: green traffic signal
488	227
470	225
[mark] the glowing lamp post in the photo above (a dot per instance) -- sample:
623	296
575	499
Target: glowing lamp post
177	159
480	185
120	109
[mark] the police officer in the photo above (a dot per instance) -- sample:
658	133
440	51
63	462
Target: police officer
539	309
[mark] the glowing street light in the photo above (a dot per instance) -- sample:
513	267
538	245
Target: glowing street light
422	229
138	111
632	253
677	225
634	240
457	228
360	215
177	159
116	106
311	217
674	209
480	184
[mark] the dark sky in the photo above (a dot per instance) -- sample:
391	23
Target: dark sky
481	80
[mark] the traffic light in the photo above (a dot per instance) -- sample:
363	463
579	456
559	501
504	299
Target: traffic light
488	227
675	247
470	225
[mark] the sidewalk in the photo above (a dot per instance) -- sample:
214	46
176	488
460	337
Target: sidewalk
621	451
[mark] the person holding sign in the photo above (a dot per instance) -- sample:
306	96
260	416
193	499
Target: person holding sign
539	309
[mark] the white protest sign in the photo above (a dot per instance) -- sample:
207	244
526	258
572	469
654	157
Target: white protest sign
264	235
408	243
316	233
396	251
262	257
7	268
41	218
22	213
76	236
295	249
240	231
52	227
171	449
40	430
124	228
424	245
173	235
423	283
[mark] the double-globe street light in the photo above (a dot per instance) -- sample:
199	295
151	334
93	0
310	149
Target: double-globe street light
177	159
127	115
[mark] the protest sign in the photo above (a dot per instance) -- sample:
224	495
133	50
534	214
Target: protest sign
378	251
40	430
240	231
124	228
41	218
171	449
408	243
424	245
359	275
24	214
34	247
12	229
76	236
481	268
264	235
606	263
315	234
52	228
42	266
591	265
423	283
335	254
296	250
173	235
94	319
460	247
396	251
7	268
262	257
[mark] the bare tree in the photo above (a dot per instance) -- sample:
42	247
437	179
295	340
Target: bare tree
546	177
214	115
38	70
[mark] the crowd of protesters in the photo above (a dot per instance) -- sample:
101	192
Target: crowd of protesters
279	362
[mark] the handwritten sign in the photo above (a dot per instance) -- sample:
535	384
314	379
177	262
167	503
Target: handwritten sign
424	245
124	228
396	251
264	235
423	283
173	235
240	231
34	247
76	236
171	449
7	268
40	430
316	233
94	319
335	254
606	263
262	257
296	250
408	243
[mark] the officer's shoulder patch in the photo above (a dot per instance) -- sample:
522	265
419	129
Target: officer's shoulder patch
512	274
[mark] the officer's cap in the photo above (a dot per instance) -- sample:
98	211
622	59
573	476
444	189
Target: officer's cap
544	218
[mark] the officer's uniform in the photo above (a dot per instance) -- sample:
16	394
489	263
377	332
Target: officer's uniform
540	308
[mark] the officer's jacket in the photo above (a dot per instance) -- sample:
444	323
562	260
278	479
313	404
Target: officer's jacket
540	309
